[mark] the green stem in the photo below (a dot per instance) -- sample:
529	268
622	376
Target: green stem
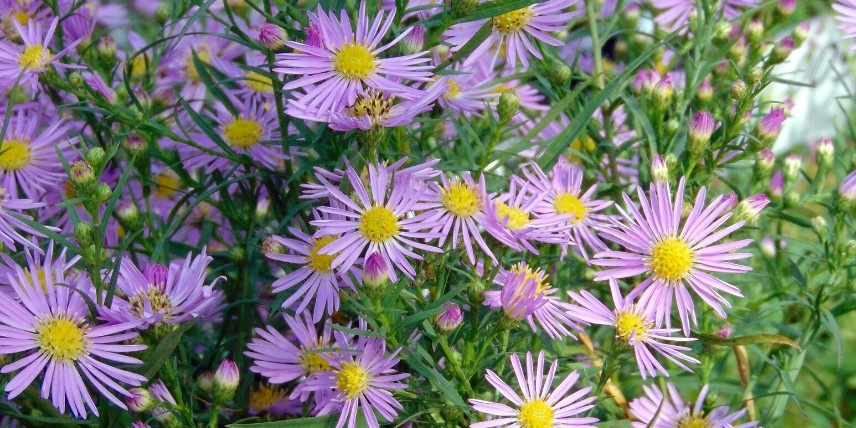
595	43
453	362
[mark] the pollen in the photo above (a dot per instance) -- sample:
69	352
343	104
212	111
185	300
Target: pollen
671	259
536	275
153	300
167	184
243	133
631	324
352	380
264	396
312	362
14	155
379	224
454	91
321	262
514	21
693	421
517	219
259	82
535	414
376	106
354	62
34	57
62	338
461	200
566	203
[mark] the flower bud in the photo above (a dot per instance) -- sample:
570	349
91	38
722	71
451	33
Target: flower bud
737	51
205	381
226	380
97	158
768	247
84	233
140	400
560	73
631	15
314	35
672	126
448	320
270	245
272	36
376	271
782	50
819	226
850	249
749	209
801	33
509	102
739	91
705	91
82	177
847	192
107	47
792	199
475	290
769	126
755	31
102	193
663	92
792	167
660	169
414	41
756	75
162	14
764	163
701	128
75	79
777	185
722	31
724	331
644	82
136	145
129	214
787	7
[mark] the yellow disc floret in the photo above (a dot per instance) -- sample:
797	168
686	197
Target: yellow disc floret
61	338
312	362
454	91
379	224
14	155
321	262
352	380
34	57
517	218
354	62
513	21
243	133
671	259
566	203
259	82
535	414
461	200
264	396
631	324
693	421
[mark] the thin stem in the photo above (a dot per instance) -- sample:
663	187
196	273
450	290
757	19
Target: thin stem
595	43
453	362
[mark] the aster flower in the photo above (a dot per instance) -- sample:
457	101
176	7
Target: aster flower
634	326
548	311
316	277
277	358
161	295
361	380
658	411
671	255
847	15
513	31
538	407
676	13
9	221
375	222
564	195
47	324
162	394
28	159
54	267
31	59
347	60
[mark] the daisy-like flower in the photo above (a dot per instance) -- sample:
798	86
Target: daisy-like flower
847	15
359	381
634	326
549	311
348	60
658	411
675	13
671	255
538	407
564	195
54	267
31	59
9	222
459	205
514	32
316	277
245	133
278	359
161	295
48	325
375	222
28	159
519	297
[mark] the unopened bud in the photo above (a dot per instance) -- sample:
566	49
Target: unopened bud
414	41
724	331
787	7
659	169
82	177
272	36
96	157
663	92
271	245
107	47
782	50
850	249
560	74
801	33
631	14
205	381
792	167
129	214
226	380
475	290
764	163
768	247
509	102
84	233
755	31
792	199
818	224
140	400
103	192
701	128
722	31
847	192
449	319
739	91
75	79
375	271
769	126
705	91
162	14
777	185
749	209
756	75
461	8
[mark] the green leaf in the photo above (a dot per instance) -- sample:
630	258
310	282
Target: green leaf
621	423
163	351
213	88
496	8
751	339
441	383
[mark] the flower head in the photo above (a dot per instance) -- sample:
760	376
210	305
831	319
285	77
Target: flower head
538	407
656	410
31	59
847	16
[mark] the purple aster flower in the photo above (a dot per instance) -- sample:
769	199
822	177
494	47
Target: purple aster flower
162	394
376	223
470	92
48	326
547	310
847	15
634	326
658	411
38	270
770	125
676	13
564	195
348	60
673	256
31	59
272	36
847	189
538	406
514	32
361	380
9	221
316	277
160	295
450	318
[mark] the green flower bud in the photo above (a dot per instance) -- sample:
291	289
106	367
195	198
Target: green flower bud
82	178
97	158
509	103
84	233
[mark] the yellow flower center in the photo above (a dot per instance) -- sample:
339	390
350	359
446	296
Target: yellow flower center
14	155
693	421
567	203
259	82
354	62
352	380
630	323
35	57
166	184
139	65
454	91
158	301
376	106
264	396
535	414
321	262
21	16
190	68
585	144
61	338
243	133
517	218
461	200
379	224
671	259
312	362
513	21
